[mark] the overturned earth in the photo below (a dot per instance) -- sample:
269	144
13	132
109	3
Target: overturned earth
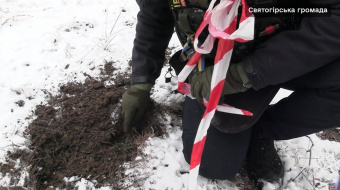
79	132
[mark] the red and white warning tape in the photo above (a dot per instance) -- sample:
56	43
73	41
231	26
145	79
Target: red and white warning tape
221	21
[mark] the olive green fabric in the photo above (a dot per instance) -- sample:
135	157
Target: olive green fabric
242	73
200	83
135	103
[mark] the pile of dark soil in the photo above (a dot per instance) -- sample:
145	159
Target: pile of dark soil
79	132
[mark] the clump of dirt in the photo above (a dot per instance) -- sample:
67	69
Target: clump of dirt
108	68
330	134
80	133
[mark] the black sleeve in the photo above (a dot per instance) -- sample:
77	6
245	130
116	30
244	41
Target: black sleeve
154	29
293	53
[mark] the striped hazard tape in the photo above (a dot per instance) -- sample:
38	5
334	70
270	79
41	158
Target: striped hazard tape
221	21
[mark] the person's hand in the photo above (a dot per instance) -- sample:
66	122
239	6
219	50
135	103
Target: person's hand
135	102
236	81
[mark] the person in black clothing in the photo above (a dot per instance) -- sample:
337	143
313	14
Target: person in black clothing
305	60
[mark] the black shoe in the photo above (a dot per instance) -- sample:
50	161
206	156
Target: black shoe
263	163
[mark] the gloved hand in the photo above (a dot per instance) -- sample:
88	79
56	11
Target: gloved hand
135	102
236	81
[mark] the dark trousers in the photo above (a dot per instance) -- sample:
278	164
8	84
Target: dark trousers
312	107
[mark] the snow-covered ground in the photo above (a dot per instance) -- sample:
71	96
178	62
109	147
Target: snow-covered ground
46	43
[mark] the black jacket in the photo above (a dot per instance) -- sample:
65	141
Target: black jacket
287	55
154	29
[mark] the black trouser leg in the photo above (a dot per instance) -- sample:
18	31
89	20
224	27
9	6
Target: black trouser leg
313	106
223	154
